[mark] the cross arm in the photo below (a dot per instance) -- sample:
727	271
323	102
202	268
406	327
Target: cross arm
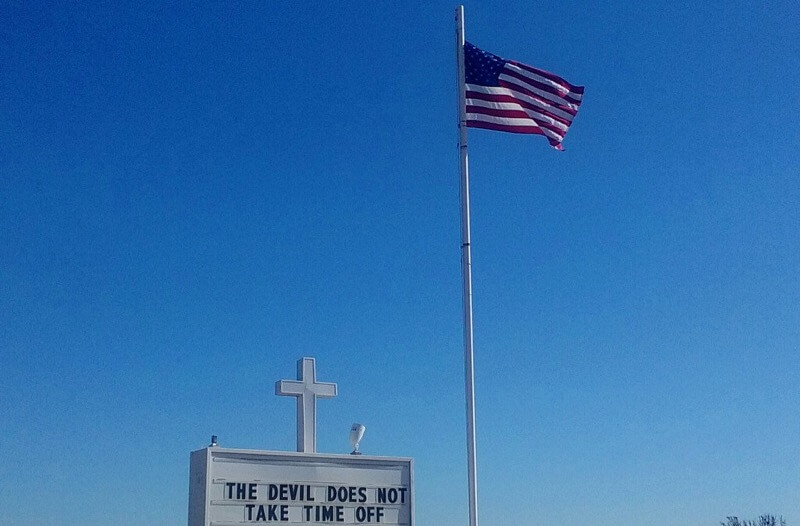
289	387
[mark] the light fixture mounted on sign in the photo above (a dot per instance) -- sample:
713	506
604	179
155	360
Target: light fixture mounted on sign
356	434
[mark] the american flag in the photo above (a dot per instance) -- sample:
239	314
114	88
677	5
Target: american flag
508	96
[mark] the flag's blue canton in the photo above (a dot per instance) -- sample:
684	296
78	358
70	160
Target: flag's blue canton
480	67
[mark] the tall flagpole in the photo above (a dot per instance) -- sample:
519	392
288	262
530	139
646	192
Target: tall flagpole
466	273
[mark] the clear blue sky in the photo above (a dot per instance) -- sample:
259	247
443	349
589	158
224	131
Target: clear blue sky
193	196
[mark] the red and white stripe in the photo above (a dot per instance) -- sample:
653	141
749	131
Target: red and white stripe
528	100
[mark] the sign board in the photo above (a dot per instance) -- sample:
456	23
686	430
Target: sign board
239	486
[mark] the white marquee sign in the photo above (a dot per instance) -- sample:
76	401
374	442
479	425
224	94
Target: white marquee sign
235	486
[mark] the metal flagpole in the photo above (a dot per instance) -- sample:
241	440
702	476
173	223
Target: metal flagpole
466	272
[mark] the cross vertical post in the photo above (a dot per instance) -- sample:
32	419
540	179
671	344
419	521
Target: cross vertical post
306	389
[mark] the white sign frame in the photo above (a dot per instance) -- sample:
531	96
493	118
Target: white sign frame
206	466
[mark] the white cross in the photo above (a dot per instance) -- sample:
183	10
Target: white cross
307	390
